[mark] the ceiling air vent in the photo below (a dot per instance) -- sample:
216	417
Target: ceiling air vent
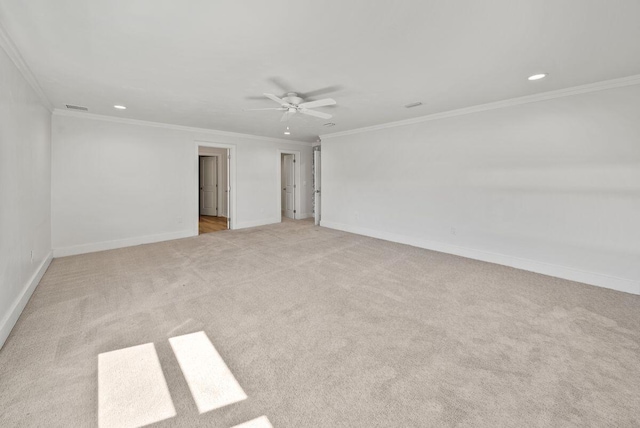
72	107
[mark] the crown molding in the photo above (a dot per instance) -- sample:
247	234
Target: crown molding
12	51
560	93
60	112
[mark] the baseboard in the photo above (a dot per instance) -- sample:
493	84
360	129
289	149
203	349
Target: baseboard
119	243
256	223
18	306
564	272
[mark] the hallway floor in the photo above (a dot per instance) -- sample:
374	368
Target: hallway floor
208	224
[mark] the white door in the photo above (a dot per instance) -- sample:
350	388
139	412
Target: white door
288	170
208	186
317	182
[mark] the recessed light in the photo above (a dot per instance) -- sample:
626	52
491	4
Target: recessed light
287	133
538	76
329	124
416	104
120	107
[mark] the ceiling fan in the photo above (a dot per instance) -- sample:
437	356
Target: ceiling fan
292	104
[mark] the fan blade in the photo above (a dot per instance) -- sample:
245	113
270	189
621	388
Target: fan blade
315	113
319	103
276	99
280	83
287	115
318	92
274	108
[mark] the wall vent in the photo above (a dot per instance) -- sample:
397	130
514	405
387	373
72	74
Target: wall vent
72	107
413	105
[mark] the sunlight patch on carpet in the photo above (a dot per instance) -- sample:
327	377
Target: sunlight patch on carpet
132	390
211	382
261	422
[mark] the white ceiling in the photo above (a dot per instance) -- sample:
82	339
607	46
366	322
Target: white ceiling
197	63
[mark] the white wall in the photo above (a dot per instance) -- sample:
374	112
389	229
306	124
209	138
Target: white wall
25	192
550	186
118	183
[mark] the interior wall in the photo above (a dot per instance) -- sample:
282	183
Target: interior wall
25	192
119	183
222	176
551	186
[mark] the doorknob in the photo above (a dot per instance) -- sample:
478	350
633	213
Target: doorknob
201	188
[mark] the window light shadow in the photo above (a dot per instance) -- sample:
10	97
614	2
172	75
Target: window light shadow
211	382
261	422
132	390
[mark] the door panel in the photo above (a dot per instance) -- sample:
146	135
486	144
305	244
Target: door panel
317	184
289	202
289	179
208	186
228	190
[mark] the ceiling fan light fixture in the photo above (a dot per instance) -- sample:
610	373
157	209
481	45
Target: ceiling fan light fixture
537	76
287	133
292	105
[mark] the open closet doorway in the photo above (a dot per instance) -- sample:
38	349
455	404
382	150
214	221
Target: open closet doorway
289	184
212	218
213	186
317	181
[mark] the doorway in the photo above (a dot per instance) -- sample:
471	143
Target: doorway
211	215
317	181
288	178
214	185
209	186
289	184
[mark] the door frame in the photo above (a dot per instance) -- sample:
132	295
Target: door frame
232	214
296	173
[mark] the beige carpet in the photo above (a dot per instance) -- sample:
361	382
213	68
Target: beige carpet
328	329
